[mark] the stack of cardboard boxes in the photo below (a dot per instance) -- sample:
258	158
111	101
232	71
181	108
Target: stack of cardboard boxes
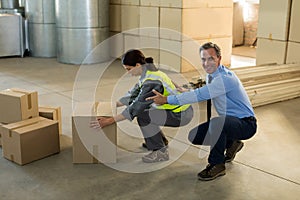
278	32
179	28
25	136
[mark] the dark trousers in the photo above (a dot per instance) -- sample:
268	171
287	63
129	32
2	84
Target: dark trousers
220	133
151	120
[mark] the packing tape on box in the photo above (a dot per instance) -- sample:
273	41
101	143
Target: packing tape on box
270	36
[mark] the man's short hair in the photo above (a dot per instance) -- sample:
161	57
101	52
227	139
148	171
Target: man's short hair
209	45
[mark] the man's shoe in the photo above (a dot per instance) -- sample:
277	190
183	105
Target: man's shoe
211	172
231	151
164	139
156	156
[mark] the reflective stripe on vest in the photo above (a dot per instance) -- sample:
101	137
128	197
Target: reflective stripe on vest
169	88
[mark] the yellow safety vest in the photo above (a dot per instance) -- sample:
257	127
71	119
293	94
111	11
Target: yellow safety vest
169	89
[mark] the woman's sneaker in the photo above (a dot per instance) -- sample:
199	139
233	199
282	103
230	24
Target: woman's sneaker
156	156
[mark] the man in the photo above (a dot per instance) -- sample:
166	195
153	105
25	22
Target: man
235	121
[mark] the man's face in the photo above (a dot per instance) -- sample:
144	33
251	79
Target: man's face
210	61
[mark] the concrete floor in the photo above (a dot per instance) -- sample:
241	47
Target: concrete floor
266	168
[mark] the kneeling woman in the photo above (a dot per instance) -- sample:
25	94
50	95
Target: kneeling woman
149	115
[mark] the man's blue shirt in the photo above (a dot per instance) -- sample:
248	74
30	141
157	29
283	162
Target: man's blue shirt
226	91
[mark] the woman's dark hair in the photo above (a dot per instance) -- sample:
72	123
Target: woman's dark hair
134	56
209	45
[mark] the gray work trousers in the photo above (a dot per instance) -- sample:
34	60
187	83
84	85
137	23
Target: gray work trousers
151	120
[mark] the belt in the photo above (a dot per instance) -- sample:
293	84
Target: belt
249	118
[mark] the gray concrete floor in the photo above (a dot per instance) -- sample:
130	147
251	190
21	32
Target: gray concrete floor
266	168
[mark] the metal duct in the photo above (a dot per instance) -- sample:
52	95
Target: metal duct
41	27
10	4
81	26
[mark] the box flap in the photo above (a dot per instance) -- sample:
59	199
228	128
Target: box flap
22	91
23	123
94	109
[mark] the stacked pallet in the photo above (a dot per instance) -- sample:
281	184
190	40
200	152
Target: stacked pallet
269	84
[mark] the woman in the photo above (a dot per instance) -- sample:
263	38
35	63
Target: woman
149	116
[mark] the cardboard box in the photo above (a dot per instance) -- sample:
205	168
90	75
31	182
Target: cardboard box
270	51
149	21
273	19
92	145
294	34
183	56
149	45
130	18
293	50
18	104
29	140
53	113
115	18
217	22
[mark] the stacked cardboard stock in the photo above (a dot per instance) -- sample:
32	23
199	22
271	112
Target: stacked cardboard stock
278	32
180	27
25	136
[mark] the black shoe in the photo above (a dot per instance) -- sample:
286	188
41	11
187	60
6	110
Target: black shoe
211	172
231	151
164	139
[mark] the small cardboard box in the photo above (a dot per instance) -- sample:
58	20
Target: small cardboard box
29	140
17	105
53	113
92	145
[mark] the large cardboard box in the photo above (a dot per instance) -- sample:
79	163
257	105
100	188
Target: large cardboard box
270	51
130	18
29	140
183	56
149	45
293	50
274	19
53	113
149	17
294	34
190	22
18	104
92	145
115	18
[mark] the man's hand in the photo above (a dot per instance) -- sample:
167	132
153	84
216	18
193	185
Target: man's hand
158	99
101	122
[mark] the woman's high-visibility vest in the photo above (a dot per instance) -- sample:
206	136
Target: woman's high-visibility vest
169	89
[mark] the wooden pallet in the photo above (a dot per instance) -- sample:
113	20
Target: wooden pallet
270	83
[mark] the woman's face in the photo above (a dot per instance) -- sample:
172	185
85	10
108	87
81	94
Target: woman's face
134	70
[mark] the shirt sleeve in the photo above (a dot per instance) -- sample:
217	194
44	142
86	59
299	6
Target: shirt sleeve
218	87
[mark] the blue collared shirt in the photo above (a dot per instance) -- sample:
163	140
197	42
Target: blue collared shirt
226	91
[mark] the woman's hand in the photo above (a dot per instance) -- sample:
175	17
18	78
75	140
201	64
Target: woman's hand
102	122
158	99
